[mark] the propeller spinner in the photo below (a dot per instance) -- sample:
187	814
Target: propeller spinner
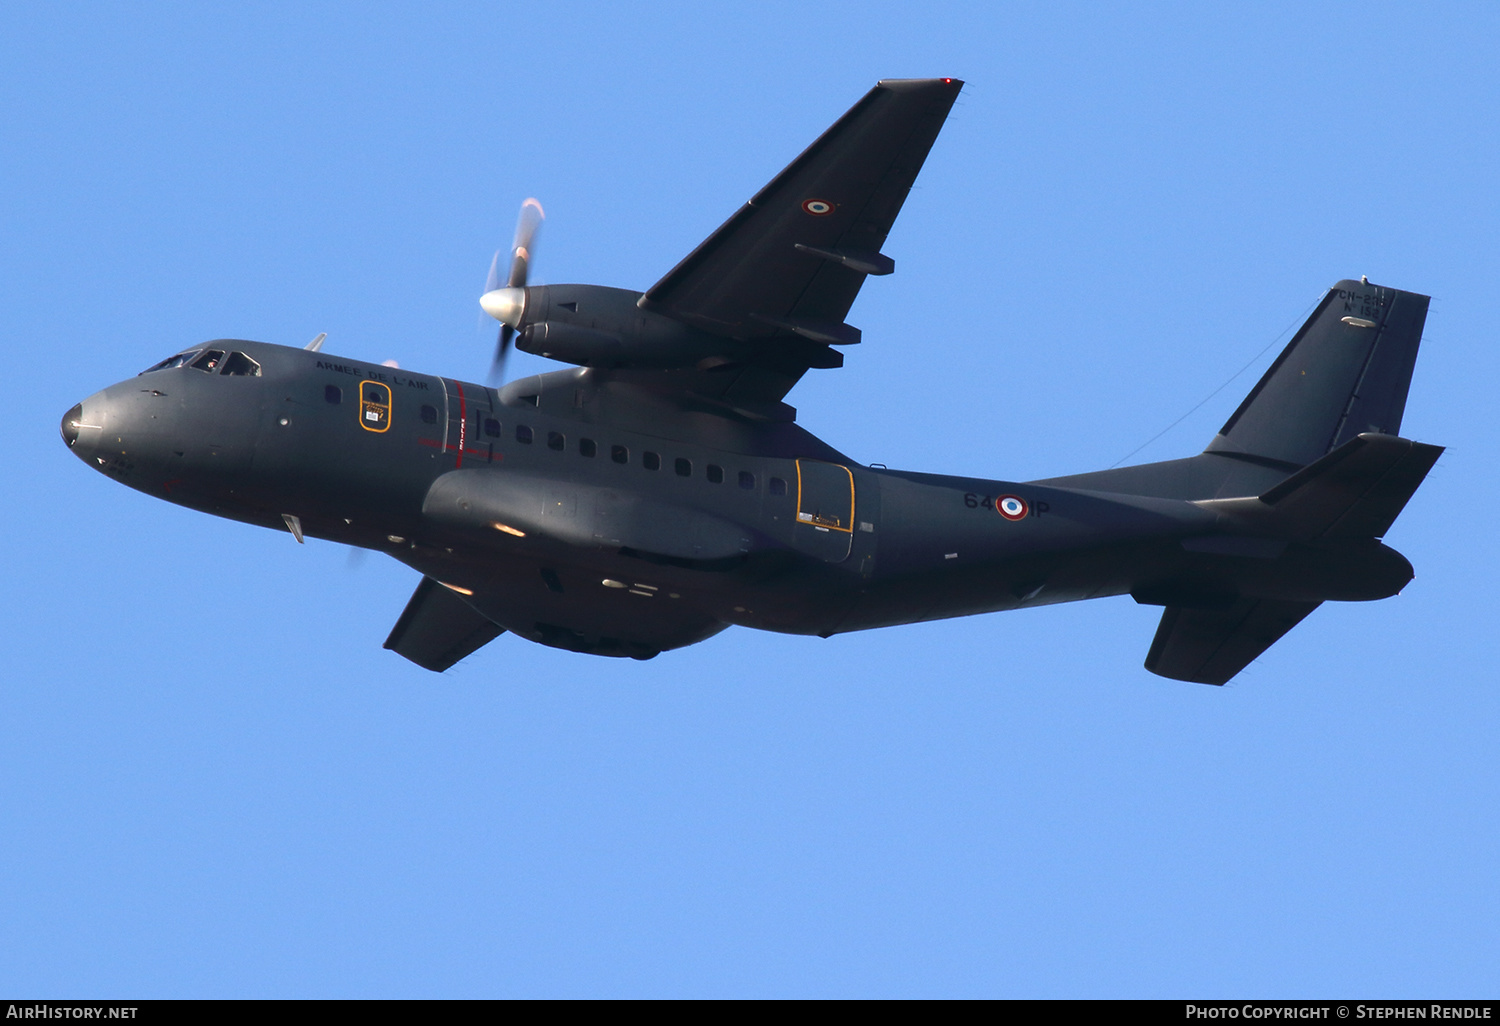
507	303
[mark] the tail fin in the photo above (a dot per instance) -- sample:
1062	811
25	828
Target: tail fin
1325	419
1345	373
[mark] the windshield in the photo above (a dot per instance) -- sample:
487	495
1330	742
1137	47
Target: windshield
240	364
209	361
172	361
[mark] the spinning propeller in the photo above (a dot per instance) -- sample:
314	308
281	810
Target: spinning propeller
507	303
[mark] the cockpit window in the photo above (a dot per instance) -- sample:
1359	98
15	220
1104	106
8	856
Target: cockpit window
209	361
173	361
239	363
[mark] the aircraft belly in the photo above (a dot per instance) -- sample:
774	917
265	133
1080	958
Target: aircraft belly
586	619
1160	571
998	585
579	604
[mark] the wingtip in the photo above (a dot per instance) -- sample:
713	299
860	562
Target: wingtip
914	84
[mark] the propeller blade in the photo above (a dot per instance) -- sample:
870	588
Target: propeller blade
519	264
521	248
492	281
502	350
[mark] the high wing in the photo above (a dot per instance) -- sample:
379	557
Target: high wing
783	272
438	628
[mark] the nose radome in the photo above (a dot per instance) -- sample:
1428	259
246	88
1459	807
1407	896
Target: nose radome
70	423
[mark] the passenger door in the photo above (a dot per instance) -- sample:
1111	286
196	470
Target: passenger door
825	510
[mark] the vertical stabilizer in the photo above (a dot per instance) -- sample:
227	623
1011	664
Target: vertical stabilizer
1345	373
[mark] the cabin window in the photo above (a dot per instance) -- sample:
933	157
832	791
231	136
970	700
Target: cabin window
429	414
777	486
491	427
683	467
586	447
172	361
209	361
375	406
619	453
651	461
240	365
557	441
333	395
715	474
523	434
747	480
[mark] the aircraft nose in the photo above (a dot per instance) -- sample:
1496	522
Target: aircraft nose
80	426
70	423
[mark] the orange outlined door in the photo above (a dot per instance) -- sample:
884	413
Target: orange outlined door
375	406
825	510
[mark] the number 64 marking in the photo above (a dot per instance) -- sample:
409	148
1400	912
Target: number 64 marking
1011	507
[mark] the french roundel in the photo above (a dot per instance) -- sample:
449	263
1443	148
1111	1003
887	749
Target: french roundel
817	207
1011	507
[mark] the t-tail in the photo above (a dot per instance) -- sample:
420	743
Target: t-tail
1312	461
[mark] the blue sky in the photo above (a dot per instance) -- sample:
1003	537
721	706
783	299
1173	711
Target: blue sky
214	782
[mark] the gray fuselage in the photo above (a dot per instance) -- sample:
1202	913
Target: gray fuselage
582	512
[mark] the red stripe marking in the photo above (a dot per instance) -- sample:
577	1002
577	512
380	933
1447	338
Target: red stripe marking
463	422
435	444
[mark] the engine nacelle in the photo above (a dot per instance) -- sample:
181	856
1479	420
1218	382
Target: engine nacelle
597	326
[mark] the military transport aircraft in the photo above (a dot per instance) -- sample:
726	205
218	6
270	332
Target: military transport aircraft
661	490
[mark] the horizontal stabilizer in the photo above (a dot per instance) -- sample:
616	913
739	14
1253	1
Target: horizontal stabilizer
438	628
1209	646
1356	491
